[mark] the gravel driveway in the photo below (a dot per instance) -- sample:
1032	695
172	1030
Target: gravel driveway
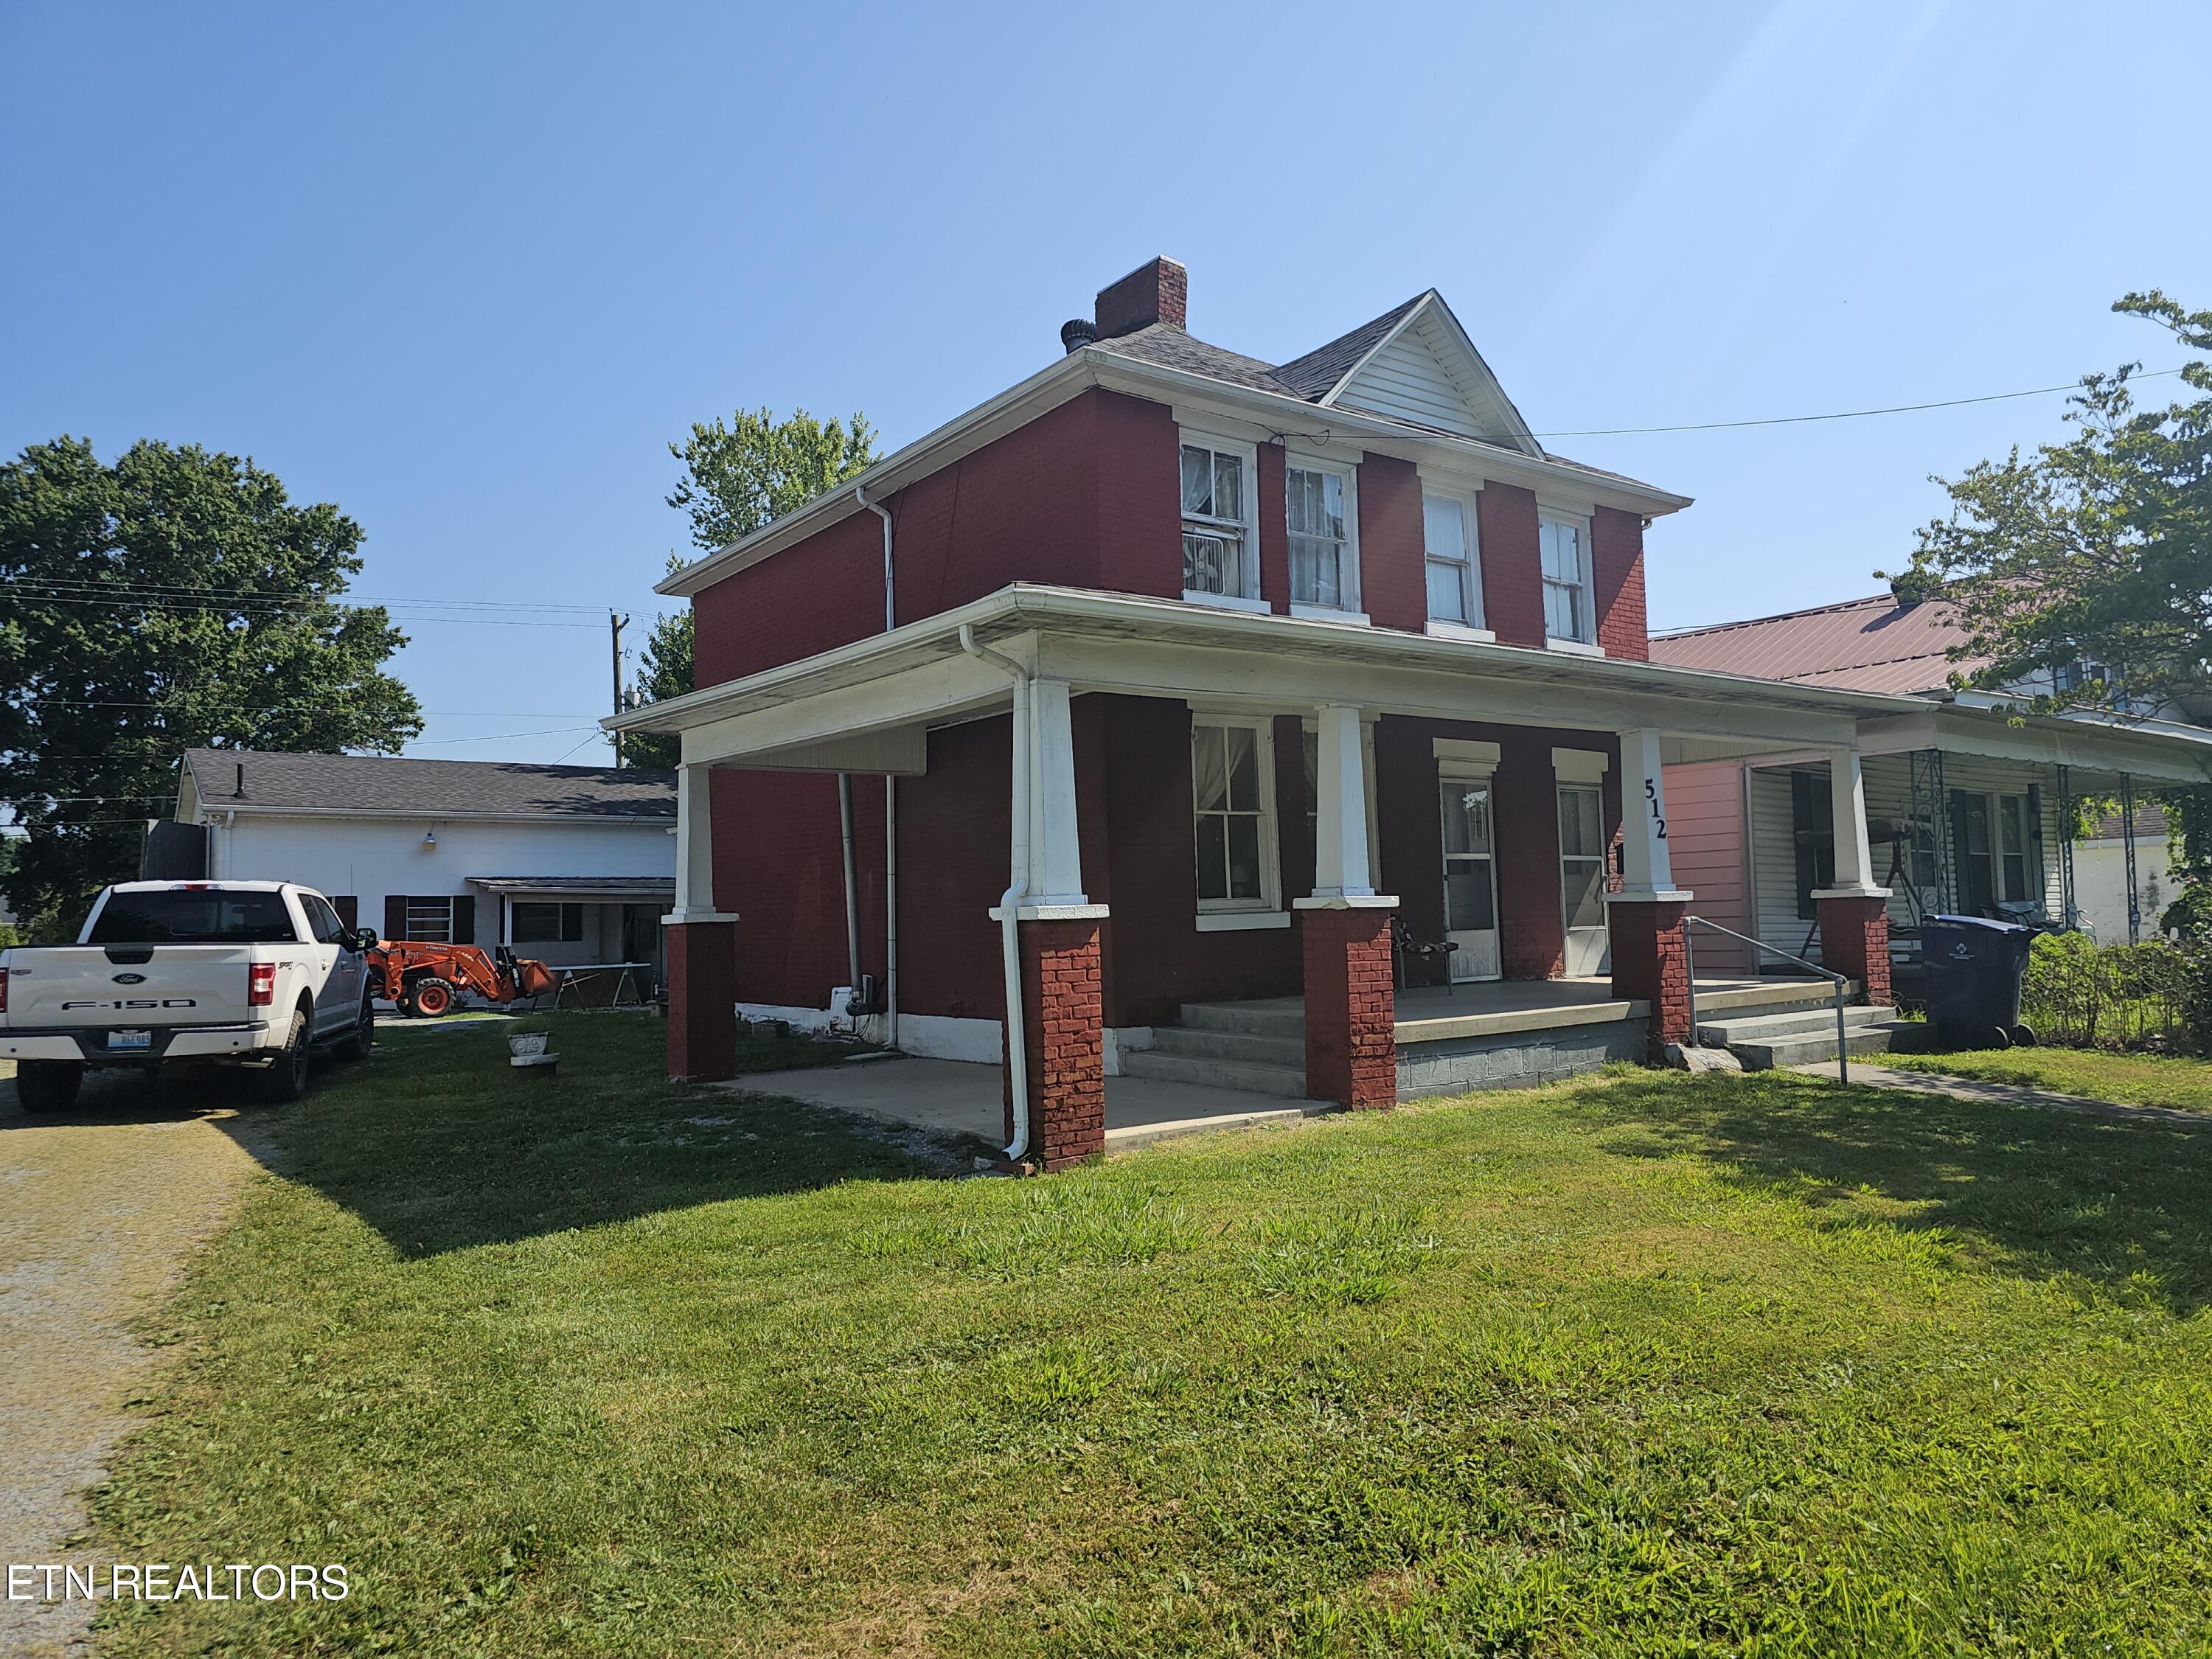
99	1209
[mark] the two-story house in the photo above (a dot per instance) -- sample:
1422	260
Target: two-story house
1162	684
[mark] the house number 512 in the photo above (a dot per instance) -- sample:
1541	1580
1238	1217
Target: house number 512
1652	795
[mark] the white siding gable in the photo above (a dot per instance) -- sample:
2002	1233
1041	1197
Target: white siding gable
1409	379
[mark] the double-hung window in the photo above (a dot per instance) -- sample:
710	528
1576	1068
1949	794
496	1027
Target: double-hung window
1219	552
1324	569
1565	547
1454	582
1234	803
430	920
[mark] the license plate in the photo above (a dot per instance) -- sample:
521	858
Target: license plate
130	1040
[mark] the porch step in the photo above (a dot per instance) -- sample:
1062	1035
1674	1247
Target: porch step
1197	1042
1799	1022
1245	1019
1288	1082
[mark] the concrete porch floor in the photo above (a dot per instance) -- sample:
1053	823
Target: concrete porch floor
952	1097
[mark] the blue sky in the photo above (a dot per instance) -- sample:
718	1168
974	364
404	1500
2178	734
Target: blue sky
464	271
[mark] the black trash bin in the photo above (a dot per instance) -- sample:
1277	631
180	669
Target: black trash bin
1973	968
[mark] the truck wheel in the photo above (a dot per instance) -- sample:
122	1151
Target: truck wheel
433	998
286	1080
48	1086
363	1037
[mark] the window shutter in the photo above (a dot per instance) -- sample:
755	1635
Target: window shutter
348	906
464	919
395	916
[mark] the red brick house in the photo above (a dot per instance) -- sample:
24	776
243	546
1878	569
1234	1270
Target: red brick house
1163	684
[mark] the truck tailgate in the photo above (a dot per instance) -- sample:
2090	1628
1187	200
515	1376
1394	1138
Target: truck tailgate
68	987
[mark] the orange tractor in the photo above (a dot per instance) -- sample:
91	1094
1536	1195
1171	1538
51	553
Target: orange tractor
427	980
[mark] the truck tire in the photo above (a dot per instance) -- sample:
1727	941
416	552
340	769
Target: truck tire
358	1041
286	1079
48	1086
433	998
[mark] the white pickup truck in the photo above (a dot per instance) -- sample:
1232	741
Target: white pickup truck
249	974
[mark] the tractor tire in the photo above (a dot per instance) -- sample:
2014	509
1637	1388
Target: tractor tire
48	1086
286	1079
432	999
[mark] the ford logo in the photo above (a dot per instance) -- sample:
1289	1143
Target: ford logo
130	979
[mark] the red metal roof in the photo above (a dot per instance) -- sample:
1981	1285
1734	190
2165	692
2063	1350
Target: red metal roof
1873	644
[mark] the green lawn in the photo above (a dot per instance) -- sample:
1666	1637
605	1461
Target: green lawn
1647	1365
2131	1079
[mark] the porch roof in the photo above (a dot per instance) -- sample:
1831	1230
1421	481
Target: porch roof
865	706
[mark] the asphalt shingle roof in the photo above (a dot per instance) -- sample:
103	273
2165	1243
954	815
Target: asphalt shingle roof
1169	347
1311	376
379	783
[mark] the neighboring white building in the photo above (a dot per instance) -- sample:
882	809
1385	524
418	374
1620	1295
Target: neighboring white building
2100	877
573	864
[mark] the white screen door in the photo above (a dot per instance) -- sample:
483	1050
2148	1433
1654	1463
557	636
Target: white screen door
1582	879
1470	880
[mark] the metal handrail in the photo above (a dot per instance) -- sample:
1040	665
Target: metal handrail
1837	981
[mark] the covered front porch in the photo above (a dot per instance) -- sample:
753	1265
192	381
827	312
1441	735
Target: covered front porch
1230	850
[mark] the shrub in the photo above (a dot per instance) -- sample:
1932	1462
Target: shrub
2157	994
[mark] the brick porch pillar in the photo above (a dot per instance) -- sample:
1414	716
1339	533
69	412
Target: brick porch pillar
1855	939
1352	1046
1651	961
1064	1032
1643	919
702	945
703	1000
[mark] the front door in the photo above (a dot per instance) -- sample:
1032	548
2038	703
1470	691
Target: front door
1582	879
1470	880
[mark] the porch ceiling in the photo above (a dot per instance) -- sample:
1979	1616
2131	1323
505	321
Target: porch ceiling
863	707
2096	752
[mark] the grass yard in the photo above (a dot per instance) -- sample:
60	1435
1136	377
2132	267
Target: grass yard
2180	1083
1643	1365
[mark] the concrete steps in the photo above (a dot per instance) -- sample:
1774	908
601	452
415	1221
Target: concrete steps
1226	1045
1765	1040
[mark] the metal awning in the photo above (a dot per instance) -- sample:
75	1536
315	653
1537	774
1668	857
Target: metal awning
580	887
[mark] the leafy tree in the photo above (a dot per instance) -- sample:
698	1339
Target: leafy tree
740	476
172	599
751	471
2093	559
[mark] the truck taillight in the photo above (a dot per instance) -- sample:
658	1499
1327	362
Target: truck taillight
260	984
4	990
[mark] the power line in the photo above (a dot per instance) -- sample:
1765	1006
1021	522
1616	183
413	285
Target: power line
1838	415
274	609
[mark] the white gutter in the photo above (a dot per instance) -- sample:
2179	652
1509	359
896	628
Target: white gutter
891	804
1018	1062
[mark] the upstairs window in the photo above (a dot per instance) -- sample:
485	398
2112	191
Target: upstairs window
1565	545
1217	544
1319	521
1455	589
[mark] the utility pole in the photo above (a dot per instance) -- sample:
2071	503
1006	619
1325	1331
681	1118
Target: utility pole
615	621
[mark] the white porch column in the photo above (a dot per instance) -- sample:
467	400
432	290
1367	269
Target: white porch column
1340	857
1847	804
695	848
1647	868
1055	850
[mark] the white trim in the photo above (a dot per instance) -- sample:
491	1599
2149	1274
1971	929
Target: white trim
694	918
1574	647
1473	753
1649	895
1329	613
1348	573
1849	892
1225	601
1248	454
1586	560
1431	304
1437	628
1580	765
1241	922
1262	726
1051	913
1470	555
1347	901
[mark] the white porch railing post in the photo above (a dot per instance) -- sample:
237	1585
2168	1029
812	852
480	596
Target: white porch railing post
694	847
1055	848
1341	864
1847	801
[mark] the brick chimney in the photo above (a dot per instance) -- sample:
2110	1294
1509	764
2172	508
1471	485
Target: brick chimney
1157	291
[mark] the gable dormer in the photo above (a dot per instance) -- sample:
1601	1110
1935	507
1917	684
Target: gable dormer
1415	363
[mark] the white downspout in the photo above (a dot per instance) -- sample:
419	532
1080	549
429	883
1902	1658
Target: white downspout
890	808
1018	1066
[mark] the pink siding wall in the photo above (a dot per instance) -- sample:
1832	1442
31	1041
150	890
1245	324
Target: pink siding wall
1705	834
